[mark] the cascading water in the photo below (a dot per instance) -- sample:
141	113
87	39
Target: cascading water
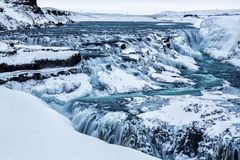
144	52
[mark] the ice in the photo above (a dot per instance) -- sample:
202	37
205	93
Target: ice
63	89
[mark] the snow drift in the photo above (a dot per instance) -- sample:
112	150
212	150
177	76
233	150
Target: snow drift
31	130
222	38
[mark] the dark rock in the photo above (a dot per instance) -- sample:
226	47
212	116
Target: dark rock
191	15
39	64
31	5
189	142
36	76
123	46
57	12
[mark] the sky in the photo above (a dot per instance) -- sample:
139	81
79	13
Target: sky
138	6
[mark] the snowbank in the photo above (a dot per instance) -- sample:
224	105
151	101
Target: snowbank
221	38
31	130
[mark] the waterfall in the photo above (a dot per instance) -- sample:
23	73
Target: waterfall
140	54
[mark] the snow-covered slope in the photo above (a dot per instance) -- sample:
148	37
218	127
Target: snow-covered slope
23	13
219	29
194	17
30	130
26	14
222	38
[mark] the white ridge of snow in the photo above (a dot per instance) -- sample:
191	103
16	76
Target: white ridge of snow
31	130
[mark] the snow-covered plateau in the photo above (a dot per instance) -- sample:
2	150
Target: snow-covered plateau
167	84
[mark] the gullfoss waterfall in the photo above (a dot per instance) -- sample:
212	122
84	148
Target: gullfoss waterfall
141	85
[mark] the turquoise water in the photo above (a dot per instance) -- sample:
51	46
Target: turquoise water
211	73
89	110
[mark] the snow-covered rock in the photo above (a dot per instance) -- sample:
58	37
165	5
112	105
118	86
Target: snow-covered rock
31	130
23	13
16	14
187	126
118	81
16	56
64	89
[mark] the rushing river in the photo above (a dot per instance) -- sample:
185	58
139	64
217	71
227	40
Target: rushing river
97	42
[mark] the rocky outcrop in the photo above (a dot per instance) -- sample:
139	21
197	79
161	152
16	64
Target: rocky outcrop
24	2
16	56
29	4
40	64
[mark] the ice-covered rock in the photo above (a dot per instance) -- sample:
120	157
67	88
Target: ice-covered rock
64	89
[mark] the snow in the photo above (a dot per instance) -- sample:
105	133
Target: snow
174	113
221	38
220	35
5	47
170	77
21	16
29	54
178	17
218	28
118	81
207	110
63	89
129	50
23	57
202	15
80	17
15	16
31	130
